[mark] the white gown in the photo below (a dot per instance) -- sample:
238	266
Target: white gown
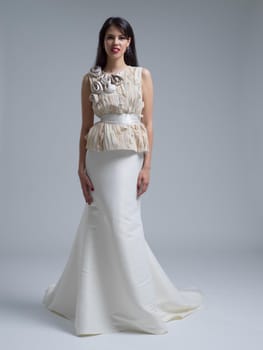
112	281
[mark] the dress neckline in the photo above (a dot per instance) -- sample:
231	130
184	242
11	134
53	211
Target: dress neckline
116	73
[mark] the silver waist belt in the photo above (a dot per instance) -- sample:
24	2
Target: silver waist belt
124	118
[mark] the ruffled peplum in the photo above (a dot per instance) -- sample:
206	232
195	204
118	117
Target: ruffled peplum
103	136
119	94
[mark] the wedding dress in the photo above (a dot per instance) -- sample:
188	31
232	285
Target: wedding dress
112	280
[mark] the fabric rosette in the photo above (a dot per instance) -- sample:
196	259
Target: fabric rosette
96	87
96	71
109	87
116	79
103	82
93	98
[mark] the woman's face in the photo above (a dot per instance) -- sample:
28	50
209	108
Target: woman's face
115	42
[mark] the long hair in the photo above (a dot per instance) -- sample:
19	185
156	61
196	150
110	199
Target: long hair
130	55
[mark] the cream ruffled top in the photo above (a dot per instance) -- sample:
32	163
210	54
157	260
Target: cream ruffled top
116	94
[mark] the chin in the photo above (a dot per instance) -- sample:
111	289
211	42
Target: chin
115	55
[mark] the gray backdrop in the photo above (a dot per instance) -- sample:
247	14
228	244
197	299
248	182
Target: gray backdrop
205	195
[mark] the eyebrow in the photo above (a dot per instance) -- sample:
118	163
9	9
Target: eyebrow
117	34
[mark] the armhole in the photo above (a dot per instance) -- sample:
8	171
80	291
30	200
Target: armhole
88	77
88	83
139	79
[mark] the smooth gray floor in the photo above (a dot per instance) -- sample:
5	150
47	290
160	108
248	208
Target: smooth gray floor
231	317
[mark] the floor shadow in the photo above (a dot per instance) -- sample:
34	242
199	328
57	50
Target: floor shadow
33	311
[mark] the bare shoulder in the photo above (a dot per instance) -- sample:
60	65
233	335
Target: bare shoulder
86	81
147	82
146	74
85	77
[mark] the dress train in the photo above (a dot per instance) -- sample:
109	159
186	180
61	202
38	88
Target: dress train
112	281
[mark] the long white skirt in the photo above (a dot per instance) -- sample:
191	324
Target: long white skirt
112	281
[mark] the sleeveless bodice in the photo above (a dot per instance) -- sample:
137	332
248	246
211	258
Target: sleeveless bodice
117	95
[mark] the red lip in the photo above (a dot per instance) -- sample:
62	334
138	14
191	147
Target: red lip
115	49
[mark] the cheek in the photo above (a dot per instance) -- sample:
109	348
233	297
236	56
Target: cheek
106	44
123	46
107	48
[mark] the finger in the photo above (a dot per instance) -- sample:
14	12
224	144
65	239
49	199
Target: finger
139	193
139	181
140	190
143	188
86	184
89	199
89	182
87	195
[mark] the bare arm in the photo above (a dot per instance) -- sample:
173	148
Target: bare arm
147	92
87	122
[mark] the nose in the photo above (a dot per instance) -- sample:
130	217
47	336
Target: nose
116	40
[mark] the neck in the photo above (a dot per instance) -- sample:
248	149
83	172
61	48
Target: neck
115	65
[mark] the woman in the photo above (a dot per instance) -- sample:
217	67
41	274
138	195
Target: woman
112	281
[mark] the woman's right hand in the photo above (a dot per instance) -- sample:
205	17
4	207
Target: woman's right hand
86	185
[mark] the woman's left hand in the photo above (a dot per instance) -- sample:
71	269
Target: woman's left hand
143	181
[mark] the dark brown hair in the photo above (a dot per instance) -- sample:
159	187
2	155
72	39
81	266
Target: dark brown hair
130	56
